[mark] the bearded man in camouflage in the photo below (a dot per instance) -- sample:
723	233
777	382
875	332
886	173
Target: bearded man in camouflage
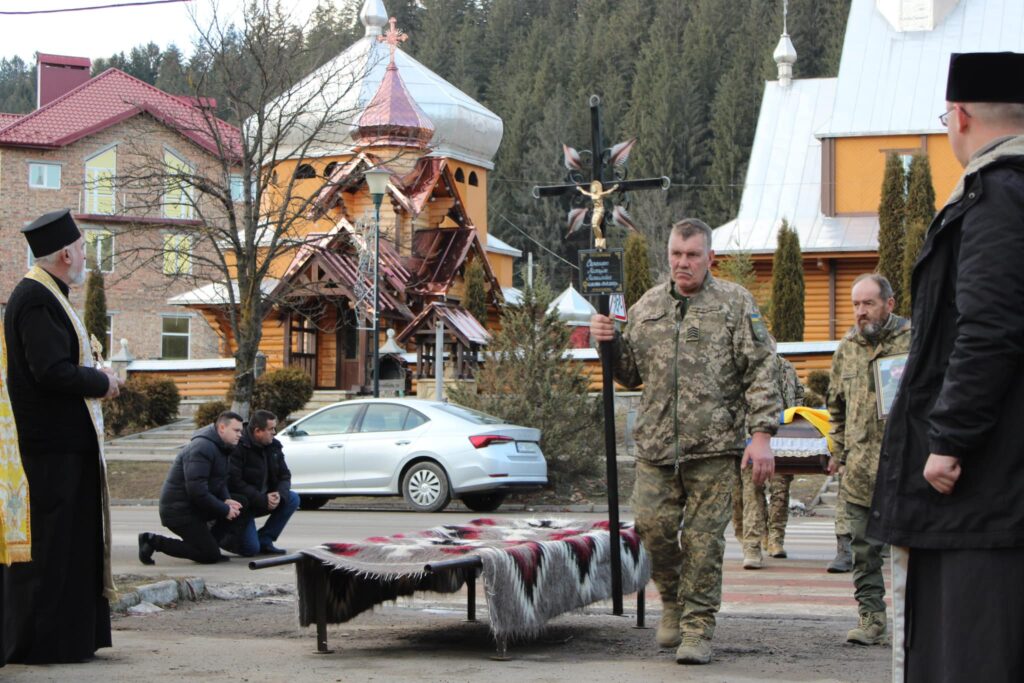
700	349
857	432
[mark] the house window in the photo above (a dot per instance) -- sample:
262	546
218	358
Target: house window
110	335
99	250
237	188
100	170
177	192
44	176
174	337
177	254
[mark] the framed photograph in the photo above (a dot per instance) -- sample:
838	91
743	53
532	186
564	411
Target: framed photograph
888	373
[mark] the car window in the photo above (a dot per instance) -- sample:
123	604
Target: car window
384	417
414	420
469	415
337	420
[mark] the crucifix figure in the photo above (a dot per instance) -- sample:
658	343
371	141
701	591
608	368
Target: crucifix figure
607	166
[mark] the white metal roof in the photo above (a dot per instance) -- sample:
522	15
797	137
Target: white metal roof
499	246
894	82
571	307
216	293
784	178
327	103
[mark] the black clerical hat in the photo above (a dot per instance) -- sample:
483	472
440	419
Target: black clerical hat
50	232
986	77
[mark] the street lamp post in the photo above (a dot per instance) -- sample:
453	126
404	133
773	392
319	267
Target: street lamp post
377	180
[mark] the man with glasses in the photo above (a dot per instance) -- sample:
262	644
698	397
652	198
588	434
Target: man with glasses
262	482
949	494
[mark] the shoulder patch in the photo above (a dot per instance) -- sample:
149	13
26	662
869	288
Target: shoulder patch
758	327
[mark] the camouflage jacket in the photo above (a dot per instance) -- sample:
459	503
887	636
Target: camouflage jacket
709	376
789	384
856	428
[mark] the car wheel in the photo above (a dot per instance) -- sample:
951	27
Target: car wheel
312	502
425	487
483	502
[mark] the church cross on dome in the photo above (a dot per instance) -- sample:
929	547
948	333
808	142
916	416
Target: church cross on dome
393	37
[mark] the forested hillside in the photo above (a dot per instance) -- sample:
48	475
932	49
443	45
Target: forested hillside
685	76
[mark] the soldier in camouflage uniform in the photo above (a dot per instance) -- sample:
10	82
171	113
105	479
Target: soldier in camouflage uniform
857	437
701	350
755	523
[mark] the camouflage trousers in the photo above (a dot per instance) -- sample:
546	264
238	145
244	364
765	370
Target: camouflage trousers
868	583
842	526
755	522
681	517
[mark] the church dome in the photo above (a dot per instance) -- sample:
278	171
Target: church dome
331	100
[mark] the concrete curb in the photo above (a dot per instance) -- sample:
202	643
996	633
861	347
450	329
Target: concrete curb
152	597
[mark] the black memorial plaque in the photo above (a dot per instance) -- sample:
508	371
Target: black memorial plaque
602	271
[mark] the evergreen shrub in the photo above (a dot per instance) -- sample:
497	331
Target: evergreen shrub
282	392
207	412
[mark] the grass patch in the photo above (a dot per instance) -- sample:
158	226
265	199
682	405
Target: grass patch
133	480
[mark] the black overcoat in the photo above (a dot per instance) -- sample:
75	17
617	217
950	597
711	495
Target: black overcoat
54	607
962	393
257	470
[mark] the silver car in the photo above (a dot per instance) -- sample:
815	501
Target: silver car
426	451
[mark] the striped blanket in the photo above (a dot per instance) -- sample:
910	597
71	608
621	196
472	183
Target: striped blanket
532	569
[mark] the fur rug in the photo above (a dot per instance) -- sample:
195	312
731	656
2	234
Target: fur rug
533	570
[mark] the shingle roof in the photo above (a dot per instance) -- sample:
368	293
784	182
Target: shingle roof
109	98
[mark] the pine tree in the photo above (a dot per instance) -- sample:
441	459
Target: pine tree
787	313
525	380
920	211
638	268
96	308
891	213
475	298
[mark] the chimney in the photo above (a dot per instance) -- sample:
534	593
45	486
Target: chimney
56	75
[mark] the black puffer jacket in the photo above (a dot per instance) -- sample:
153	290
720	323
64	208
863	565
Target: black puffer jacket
197	485
962	393
256	470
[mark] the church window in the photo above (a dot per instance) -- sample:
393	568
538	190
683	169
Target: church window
100	169
460	176
473	180
330	168
305	171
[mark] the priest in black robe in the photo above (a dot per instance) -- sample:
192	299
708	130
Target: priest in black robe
56	607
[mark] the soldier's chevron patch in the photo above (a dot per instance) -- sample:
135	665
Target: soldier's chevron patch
757	326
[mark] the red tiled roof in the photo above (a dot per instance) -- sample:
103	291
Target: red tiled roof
458	322
111	97
8	119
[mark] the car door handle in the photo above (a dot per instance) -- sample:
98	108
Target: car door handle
336	445
402	443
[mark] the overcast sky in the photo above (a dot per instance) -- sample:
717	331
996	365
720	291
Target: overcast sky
103	32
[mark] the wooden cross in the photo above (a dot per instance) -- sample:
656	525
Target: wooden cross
393	37
594	191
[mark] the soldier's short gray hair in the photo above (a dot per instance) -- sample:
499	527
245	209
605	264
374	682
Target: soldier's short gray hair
688	227
884	288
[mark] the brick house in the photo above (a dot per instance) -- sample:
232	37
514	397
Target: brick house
78	150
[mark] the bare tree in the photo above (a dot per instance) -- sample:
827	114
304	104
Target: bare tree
248	201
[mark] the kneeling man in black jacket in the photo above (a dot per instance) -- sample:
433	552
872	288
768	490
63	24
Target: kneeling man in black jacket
194	502
260	479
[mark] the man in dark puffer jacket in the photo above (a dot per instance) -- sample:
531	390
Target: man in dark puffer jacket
194	502
260	479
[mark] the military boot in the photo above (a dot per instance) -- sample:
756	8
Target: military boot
775	548
843	561
870	631
752	557
667	634
695	649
